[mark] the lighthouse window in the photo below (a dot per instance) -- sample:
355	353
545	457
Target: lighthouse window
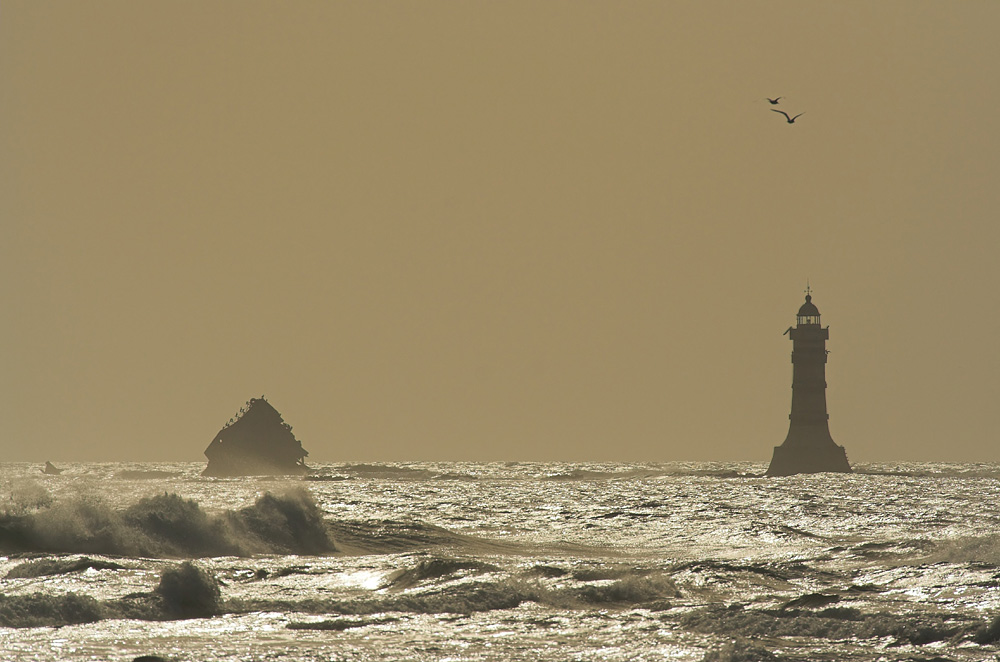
809	319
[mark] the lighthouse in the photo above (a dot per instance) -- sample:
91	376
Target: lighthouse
808	448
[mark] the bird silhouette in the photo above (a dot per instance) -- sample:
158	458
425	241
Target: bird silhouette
791	120
774	101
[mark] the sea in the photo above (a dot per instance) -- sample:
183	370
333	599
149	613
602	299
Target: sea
500	561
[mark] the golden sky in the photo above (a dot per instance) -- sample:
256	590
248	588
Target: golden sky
497	230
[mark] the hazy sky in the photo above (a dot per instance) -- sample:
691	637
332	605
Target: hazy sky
497	230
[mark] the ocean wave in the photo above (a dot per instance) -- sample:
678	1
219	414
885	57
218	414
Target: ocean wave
388	471
184	591
892	548
449	585
435	568
131	474
931	470
781	572
169	526
834	623
588	474
811	601
187	591
653	590
46	610
454	475
990	634
389	536
587	586
24	496
482	596
645	474
740	650
51	567
394	472
545	570
971	549
396	536
340	624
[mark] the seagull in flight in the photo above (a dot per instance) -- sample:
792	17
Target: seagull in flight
791	120
774	101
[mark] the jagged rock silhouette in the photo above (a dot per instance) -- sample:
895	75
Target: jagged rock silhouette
255	442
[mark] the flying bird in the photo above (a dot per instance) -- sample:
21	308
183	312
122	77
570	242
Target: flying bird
791	120
774	101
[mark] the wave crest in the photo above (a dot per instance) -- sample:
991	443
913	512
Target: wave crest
184	591
170	526
431	569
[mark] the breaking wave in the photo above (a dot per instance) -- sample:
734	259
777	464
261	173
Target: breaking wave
185	591
391	536
50	567
45	610
431	586
169	526
24	496
483	595
465	585
781	572
431	569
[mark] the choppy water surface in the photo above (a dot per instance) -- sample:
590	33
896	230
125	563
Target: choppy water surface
500	562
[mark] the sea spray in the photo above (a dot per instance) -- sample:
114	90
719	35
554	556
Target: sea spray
24	495
511	566
170	526
291	523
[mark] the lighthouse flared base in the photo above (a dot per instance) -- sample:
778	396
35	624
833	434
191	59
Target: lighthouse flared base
791	459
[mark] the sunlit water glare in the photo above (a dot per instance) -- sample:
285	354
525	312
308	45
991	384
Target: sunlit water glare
465	561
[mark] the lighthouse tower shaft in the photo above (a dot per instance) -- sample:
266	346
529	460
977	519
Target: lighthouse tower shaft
809	419
808	447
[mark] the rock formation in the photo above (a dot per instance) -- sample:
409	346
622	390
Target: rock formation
255	442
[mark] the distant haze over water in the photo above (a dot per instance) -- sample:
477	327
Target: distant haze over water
515	231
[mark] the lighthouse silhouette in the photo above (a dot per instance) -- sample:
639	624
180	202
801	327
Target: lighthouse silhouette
808	448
